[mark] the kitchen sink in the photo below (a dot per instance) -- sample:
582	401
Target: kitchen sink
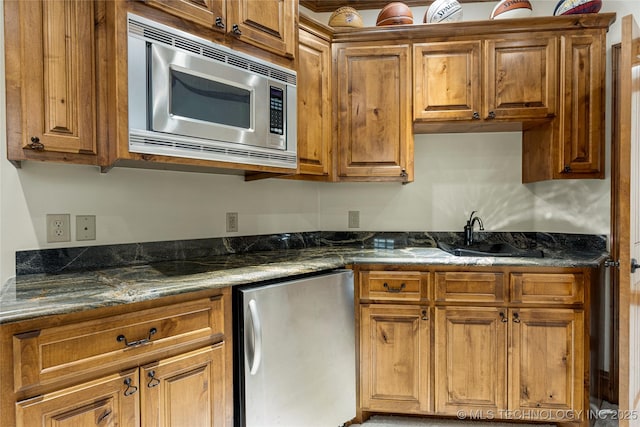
490	249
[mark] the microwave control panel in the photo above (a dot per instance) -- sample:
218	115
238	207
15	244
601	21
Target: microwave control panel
276	106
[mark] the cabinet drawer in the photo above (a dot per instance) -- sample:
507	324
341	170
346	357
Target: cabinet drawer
469	287
393	285
561	288
50	354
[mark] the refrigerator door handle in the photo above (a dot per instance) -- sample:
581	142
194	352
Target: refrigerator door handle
256	332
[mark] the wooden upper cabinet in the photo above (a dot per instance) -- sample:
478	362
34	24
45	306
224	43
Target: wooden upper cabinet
581	137
314	104
267	24
513	79
375	140
447	80
521	78
51	81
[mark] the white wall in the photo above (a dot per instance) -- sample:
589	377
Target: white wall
454	174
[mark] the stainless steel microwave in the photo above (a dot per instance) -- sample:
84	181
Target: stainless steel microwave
190	97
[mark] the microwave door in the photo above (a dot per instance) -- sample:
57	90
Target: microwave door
199	98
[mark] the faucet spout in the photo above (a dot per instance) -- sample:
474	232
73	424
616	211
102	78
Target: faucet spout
468	228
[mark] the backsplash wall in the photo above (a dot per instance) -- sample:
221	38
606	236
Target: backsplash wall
454	174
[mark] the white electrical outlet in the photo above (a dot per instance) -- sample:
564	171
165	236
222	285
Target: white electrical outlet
85	227
232	222
354	219
58	228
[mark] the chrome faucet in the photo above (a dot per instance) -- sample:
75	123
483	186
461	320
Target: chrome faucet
468	229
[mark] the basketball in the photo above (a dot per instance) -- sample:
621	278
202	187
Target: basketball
443	11
573	7
395	13
508	9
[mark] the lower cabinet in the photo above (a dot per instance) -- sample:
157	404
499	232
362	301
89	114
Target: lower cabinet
395	350
483	343
164	363
179	391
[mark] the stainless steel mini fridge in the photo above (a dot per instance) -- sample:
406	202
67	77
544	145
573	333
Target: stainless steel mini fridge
295	352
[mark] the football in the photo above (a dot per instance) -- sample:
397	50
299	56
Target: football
443	11
395	13
573	7
507	9
345	16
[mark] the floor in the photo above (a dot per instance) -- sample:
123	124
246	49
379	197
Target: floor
603	415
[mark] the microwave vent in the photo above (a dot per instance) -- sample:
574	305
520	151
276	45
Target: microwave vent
145	143
207	50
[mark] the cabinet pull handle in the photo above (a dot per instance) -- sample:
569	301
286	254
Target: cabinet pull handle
219	22
104	416
492	115
236	30
424	315
503	318
131	389
404	174
475	116
153	381
516	318
36	144
394	290
139	342
567	169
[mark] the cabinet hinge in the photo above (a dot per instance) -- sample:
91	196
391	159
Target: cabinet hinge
612	263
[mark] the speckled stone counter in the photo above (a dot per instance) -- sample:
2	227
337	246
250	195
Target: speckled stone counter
41	294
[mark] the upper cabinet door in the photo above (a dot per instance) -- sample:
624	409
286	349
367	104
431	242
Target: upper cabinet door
581	136
268	24
208	13
374	106
446	80
57	77
521	78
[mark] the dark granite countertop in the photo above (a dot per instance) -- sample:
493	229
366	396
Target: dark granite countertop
36	295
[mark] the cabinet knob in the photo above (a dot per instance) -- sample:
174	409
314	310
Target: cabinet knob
36	144
516	318
424	315
503	317
404	174
475	116
567	169
235	29
492	115
219	23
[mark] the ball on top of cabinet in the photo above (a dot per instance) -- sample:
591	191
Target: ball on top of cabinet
394	13
507	9
443	11
345	16
573	7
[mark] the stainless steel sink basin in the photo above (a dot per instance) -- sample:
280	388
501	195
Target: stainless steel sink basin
490	249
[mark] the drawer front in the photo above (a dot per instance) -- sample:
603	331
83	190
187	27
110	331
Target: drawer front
469	287
562	288
393	285
50	354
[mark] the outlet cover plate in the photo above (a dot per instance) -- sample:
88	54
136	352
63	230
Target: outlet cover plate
232	222
58	228
85	227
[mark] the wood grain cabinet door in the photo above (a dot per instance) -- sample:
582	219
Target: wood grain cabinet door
268	24
546	363
374	106
186	390
521	78
581	141
470	360
447	81
394	358
314	105
208	13
57	77
107	402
